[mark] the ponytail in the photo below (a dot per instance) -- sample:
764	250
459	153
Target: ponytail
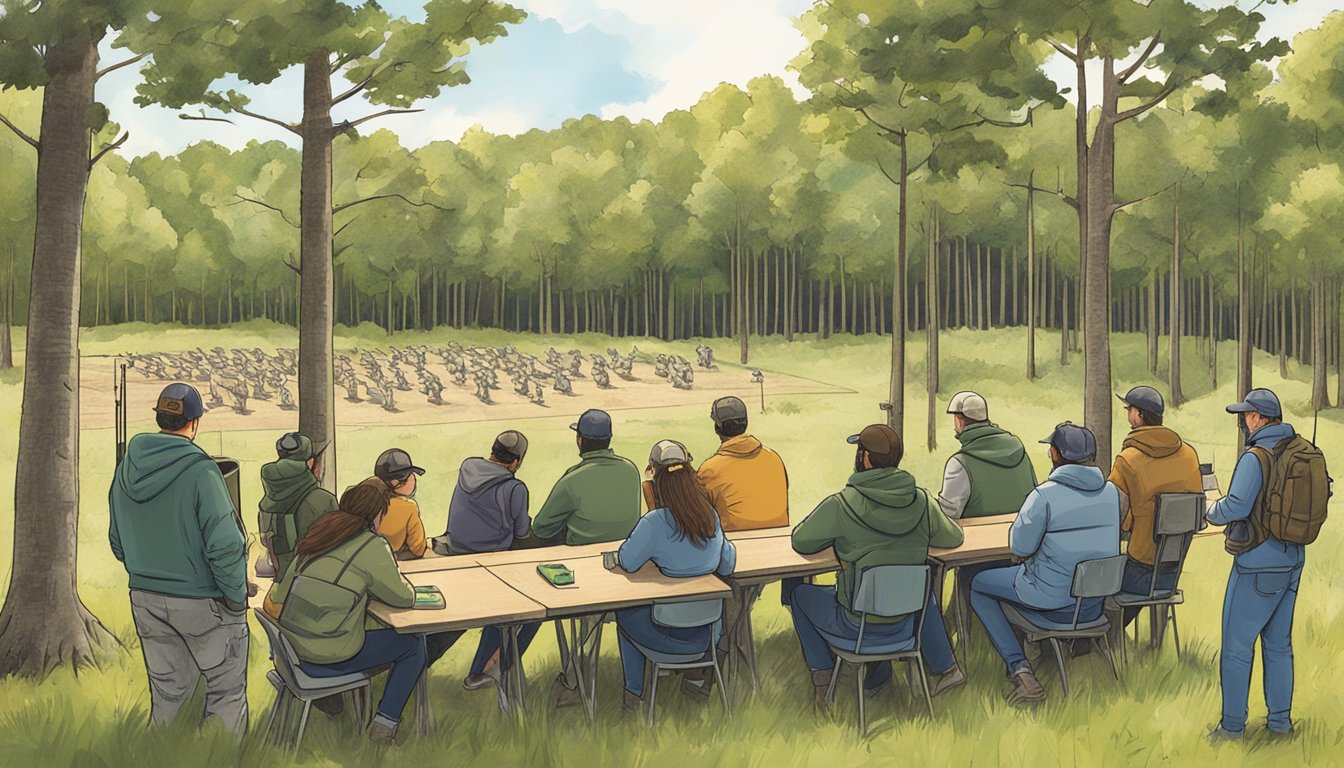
360	505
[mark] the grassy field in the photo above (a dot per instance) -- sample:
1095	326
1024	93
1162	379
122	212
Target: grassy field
1158	713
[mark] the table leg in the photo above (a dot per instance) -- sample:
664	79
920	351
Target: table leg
744	640
422	704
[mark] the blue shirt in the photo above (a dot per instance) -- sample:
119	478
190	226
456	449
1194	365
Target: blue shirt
656	538
1072	517
1242	494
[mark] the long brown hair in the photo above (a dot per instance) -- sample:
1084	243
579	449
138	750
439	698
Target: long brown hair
677	487
360	506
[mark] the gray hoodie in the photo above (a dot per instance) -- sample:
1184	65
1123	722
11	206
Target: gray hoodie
489	508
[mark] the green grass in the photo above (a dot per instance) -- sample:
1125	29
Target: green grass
1158	713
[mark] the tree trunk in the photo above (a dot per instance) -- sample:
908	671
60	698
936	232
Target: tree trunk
317	398
1174	328
1244	379
1031	276
931	332
44	623
1283	335
7	315
1320	394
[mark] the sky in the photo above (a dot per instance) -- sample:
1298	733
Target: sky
636	58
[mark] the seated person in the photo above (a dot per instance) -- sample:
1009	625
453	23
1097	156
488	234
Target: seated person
1072	517
682	536
879	518
488	513
341	549
397	476
595	500
293	499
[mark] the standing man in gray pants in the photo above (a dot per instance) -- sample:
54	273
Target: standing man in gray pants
173	525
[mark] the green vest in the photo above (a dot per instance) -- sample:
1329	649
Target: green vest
1001	475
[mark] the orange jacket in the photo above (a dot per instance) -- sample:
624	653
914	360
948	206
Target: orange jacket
402	526
1152	460
748	484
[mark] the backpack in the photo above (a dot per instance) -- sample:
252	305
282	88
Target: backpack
1294	495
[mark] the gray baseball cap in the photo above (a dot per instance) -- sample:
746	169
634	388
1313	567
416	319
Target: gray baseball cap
728	409
298	446
1145	399
510	441
593	425
395	463
665	453
1075	443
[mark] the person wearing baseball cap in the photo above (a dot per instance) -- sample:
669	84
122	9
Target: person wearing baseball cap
1262	586
1153	459
597	499
990	474
880	517
292	499
681	534
488	513
397	476
746	481
173	525
1071	517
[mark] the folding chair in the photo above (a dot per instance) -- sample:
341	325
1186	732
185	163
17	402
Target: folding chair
1092	579
293	685
886	591
697	613
1174	524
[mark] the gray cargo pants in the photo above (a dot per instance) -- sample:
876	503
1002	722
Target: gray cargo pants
184	639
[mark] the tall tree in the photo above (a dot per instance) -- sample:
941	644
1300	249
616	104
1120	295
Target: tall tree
1179	42
387	60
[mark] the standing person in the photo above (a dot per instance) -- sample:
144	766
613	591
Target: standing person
1071	517
397	476
683	537
488	513
746	481
174	527
1262	586
293	498
879	518
1153	459
597	499
322	603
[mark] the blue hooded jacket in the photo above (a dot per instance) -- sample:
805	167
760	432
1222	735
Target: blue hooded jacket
1073	516
1242	493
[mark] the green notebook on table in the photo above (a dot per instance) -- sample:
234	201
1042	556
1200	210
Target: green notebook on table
429	598
556	574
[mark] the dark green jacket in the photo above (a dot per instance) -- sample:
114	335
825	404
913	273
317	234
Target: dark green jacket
292	502
595	500
999	471
880	518
172	522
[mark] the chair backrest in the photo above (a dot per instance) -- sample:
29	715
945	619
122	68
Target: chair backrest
891	590
1175	521
1098	578
697	613
282	653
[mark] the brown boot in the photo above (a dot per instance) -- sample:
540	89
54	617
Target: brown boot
821	683
1027	689
949	680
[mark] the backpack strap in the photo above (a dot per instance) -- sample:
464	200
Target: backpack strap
1267	462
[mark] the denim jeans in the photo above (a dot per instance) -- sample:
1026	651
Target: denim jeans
491	640
1139	579
406	654
990	590
821	622
635	625
1258	604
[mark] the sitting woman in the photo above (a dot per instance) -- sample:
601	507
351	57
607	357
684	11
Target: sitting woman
682	536
321	605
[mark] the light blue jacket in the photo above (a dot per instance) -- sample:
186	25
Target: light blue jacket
1073	516
656	538
1242	492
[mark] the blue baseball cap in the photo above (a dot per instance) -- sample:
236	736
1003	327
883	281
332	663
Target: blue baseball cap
1073	442
1145	399
593	425
180	400
1261	401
